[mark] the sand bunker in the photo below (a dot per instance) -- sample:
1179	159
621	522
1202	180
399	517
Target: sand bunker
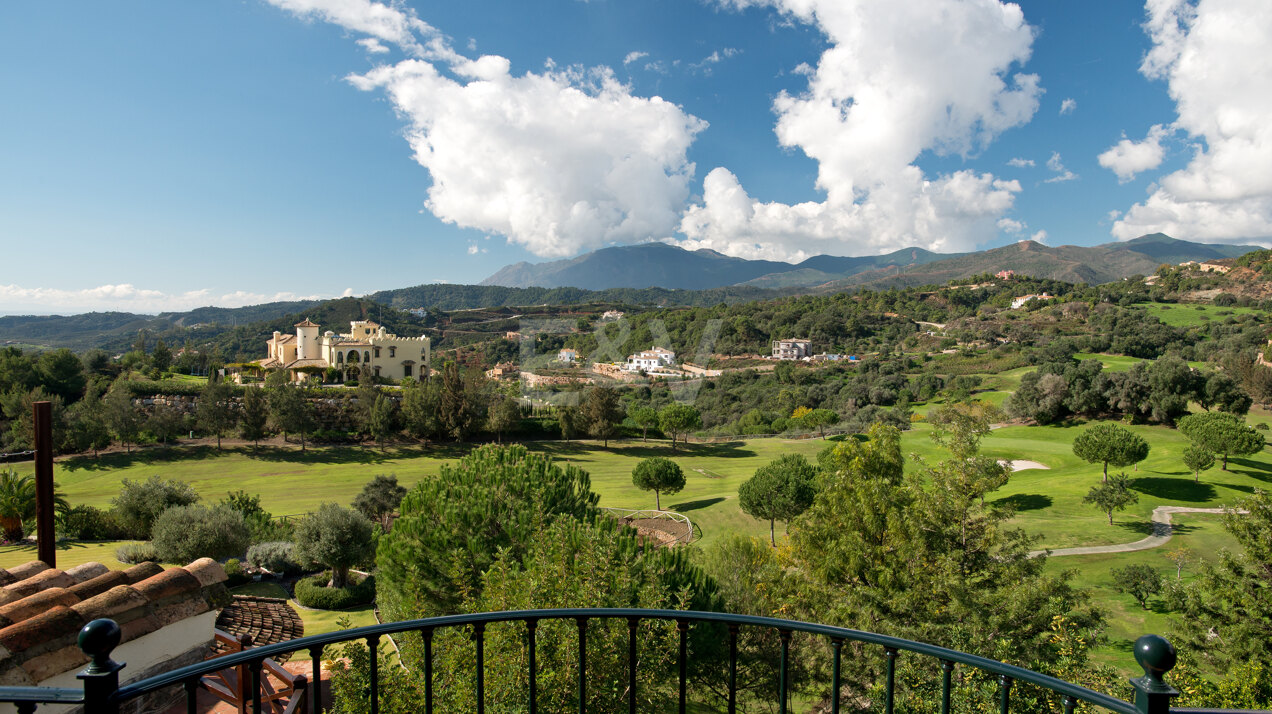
1022	464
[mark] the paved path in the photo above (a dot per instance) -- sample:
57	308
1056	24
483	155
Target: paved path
1160	536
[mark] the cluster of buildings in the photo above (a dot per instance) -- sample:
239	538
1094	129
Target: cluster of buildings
801	350
366	343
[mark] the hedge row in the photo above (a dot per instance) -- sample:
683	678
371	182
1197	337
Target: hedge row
313	592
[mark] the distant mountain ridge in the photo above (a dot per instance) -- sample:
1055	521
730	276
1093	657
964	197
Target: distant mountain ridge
667	266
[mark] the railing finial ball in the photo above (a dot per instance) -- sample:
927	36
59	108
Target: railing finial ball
1156	655
98	639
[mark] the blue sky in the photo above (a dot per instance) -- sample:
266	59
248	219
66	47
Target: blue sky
161	155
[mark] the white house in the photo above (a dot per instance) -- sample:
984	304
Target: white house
1019	302
568	356
651	360
612	315
791	349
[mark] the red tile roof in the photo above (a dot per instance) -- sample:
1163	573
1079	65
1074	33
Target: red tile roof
42	609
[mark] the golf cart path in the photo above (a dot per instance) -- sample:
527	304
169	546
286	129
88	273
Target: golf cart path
1160	536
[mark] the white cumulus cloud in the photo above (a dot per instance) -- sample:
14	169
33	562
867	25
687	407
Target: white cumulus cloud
1039	237
558	161
1020	163
1011	225
898	79
1213	56
1068	106
1128	158
634	56
1062	174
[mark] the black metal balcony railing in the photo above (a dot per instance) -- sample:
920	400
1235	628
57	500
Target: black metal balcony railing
101	693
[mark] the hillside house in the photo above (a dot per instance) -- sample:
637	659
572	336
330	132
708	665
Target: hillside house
1019	302
366	343
651	360
1005	274
612	315
568	356
791	349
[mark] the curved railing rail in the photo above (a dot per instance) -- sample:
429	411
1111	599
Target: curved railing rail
102	693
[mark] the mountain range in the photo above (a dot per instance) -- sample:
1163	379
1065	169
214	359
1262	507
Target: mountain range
667	266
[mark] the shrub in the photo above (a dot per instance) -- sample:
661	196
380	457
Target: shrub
235	576
139	503
277	556
186	533
133	553
313	592
89	523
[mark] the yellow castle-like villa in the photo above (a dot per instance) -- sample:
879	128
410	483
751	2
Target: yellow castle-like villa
366	343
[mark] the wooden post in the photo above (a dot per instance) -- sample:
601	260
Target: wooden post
44	533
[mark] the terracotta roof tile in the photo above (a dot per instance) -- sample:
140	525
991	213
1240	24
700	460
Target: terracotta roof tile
170	583
112	603
141	571
35	604
86	571
26	570
99	584
45	627
207	571
43	580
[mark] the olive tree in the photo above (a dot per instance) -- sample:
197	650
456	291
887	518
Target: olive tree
339	538
185	533
139	503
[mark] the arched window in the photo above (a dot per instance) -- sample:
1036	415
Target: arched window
339	358
353	356
366	356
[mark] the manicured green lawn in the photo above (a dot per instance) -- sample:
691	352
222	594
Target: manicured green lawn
69	554
1202	535
1190	315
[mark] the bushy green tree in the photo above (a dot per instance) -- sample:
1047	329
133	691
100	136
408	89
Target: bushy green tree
659	475
462	401
420	404
383	419
124	418
504	415
644	417
1197	459
570	420
166	422
339	538
215	412
452	525
290	411
1110	445
255	415
139	503
379	499
677	419
883	549
1225	614
86	427
182	534
603	413
779	491
1222	434
568	564
1114	494
1137	580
